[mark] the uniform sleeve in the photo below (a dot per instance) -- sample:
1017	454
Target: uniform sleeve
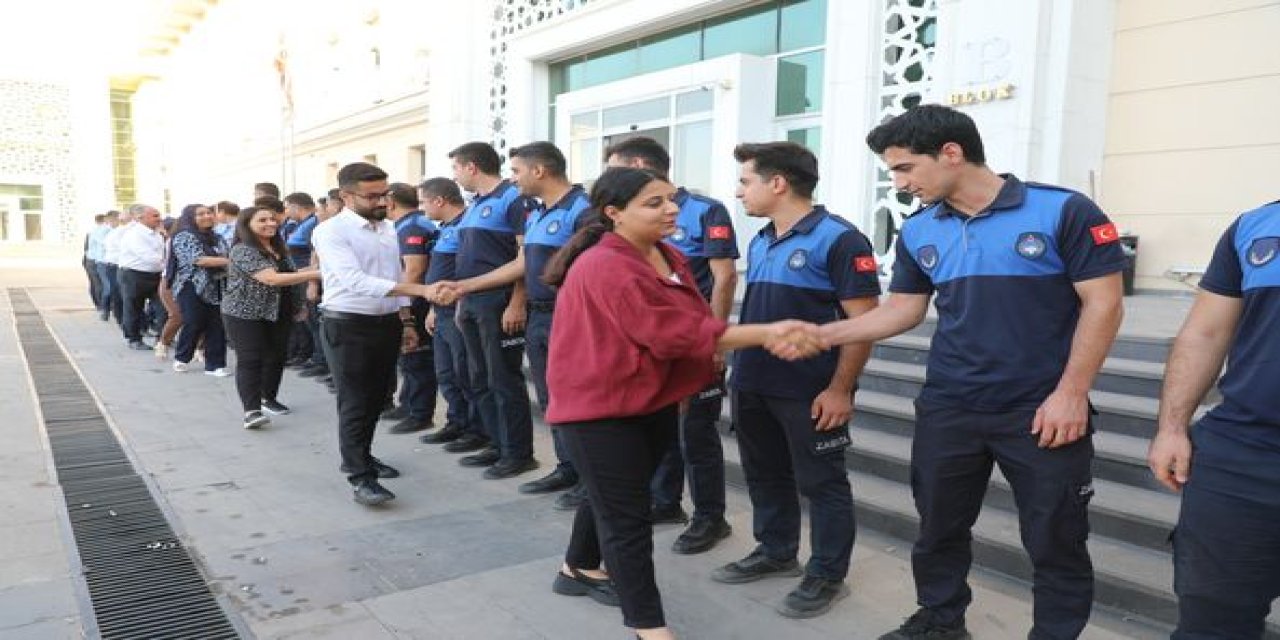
518	213
718	237
414	240
1088	241
851	265
908	277
301	237
1224	275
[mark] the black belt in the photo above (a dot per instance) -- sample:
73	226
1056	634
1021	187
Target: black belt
344	315
544	306
154	274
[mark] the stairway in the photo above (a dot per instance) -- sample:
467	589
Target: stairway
1131	514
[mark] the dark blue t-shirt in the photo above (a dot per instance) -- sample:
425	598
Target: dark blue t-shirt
1245	266
444	254
704	231
487	234
545	232
417	234
1006	301
805	274
299	241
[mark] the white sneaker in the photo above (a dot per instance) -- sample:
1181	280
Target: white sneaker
220	372
255	419
180	367
162	351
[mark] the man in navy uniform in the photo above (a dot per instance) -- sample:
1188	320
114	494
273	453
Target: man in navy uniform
1027	278
492	321
705	235
1226	547
416	234
793	417
538	170
463	430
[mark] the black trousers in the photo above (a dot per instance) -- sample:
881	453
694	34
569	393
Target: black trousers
1226	547
700	457
137	288
260	347
95	282
200	320
951	459
615	460
300	344
362	353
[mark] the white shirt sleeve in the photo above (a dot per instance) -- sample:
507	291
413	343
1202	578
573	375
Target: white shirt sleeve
141	249
341	268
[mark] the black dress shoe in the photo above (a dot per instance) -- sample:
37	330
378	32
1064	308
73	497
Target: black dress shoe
138	345
395	413
410	425
510	468
668	514
486	458
468	442
813	597
557	480
447	433
579	584
701	535
754	567
384	471
371	494
572	499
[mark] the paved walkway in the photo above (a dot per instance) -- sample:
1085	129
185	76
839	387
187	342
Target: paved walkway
271	522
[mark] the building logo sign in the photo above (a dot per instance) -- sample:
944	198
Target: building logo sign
980	95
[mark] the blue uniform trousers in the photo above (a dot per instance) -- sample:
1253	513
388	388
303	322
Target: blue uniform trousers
700	456
495	360
452	377
537	333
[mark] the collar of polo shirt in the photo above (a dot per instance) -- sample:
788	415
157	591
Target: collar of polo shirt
1012	194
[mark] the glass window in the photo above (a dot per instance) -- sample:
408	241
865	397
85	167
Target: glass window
692	164
803	24
31	203
799	83
671	49
636	113
609	65
810	138
35	230
753	31
584	125
585	160
697	101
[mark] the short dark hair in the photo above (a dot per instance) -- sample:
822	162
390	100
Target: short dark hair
481	154
792	161
442	188
268	188
357	172
98	218
543	154
269	202
112	214
645	148
300	199
924	129
403	194
227	207
335	195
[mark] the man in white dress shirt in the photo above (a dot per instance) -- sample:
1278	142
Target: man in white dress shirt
111	264
140	252
367	320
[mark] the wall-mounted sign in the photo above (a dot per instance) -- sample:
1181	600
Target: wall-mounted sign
980	95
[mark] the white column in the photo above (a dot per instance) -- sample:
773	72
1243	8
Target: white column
459	80
848	110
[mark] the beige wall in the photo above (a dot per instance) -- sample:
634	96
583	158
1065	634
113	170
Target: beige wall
1193	125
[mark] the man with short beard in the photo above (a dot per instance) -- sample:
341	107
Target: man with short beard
366	319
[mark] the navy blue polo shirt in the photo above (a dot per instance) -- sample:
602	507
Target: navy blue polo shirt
299	241
1245	266
1006	301
416	233
804	275
487	235
444	256
704	231
545	232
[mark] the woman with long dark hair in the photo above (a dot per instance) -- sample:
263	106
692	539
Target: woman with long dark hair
632	337
195	271
260	302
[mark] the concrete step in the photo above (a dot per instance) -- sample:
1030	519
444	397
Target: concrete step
1121	413
1131	580
1129	347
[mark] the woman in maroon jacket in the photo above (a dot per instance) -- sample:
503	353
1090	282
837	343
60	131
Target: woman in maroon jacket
632	337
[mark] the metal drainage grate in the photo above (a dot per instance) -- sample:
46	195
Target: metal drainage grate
142	583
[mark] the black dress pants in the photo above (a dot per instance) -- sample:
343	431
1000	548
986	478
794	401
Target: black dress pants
362	353
615	459
137	288
260	347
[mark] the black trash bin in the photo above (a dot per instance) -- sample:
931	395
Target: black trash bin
1129	245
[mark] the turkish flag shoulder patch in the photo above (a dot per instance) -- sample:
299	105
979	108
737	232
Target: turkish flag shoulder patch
415	240
1104	233
864	264
719	233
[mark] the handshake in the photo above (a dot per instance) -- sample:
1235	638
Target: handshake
444	292
794	339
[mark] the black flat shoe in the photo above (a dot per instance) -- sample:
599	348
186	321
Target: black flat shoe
579	584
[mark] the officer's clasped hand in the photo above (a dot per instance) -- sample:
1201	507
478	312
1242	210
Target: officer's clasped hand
794	340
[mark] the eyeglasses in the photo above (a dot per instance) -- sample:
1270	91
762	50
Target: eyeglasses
371	197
